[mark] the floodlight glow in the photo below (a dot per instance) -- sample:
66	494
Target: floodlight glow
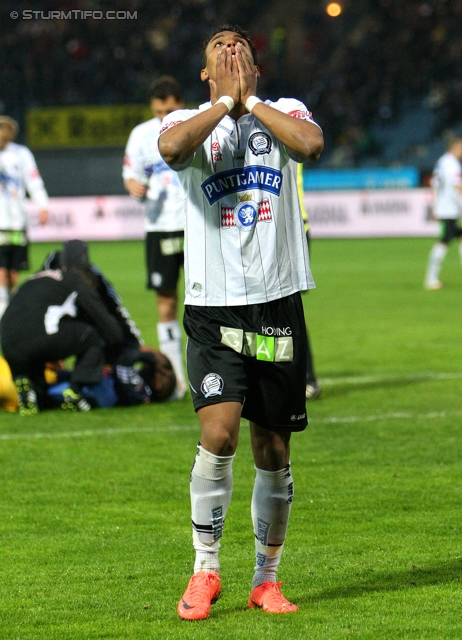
333	9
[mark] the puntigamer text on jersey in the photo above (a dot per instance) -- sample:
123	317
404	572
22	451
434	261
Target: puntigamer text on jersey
235	180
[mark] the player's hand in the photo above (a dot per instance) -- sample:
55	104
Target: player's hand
43	216
248	73
135	188
227	76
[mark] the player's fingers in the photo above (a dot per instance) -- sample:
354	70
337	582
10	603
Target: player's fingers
220	62
242	60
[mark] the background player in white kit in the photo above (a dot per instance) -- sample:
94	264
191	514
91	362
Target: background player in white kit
18	175
447	208
148	179
246	261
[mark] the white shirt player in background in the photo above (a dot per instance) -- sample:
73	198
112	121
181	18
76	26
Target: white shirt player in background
446	183
149	179
245	253
18	175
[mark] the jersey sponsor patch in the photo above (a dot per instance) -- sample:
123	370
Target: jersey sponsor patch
171	246
156	168
236	180
169	125
212	385
228	214
301	114
196	290
14	238
34	173
261	347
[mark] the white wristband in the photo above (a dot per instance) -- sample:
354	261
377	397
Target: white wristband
251	102
228	101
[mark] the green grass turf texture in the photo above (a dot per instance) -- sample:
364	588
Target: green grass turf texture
95	538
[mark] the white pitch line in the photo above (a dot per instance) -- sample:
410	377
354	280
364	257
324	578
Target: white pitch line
400	415
93	432
403	378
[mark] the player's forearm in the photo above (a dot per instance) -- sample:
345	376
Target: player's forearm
304	139
38	193
181	141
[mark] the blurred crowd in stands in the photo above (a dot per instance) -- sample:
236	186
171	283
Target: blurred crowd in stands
354	71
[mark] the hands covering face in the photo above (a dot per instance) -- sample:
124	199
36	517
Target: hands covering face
230	70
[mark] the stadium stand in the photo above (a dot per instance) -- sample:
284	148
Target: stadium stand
381	68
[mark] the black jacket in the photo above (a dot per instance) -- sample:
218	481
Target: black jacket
41	302
111	300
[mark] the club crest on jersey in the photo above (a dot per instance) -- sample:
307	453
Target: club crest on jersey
260	143
212	385
246	215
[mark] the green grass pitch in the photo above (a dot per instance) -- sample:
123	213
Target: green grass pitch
95	539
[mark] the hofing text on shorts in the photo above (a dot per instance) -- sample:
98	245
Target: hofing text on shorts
75	14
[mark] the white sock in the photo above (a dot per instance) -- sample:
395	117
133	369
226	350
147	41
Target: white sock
271	503
4	300
170	343
435	259
210	488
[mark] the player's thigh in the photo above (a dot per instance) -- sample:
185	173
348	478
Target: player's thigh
449	230
14	251
73	339
276	395
216	373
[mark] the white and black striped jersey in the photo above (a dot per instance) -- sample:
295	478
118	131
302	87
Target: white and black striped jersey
143	162
244	236
445	180
18	174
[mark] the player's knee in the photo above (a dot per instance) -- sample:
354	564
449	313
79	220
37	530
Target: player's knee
219	438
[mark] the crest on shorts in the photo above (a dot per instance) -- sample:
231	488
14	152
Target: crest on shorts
212	385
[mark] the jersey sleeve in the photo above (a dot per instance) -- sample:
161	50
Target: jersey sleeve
457	175
33	180
133	166
296	109
171	120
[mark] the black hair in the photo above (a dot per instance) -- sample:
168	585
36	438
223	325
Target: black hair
235	29
163	88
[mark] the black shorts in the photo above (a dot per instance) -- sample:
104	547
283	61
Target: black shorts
14	250
252	354
164	258
449	229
